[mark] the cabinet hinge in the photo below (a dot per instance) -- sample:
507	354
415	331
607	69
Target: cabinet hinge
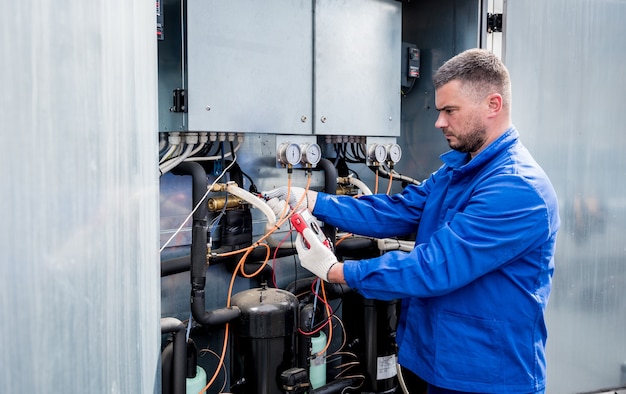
494	23
179	101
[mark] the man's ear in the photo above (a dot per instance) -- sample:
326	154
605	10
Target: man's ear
494	102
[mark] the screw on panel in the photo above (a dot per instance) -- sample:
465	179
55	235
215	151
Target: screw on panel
323	119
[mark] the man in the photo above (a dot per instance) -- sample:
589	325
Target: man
475	287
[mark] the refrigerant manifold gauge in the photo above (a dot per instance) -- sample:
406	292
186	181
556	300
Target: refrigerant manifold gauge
394	152
289	154
311	154
377	153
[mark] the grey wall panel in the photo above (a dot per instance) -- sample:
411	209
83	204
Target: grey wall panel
79	273
568	87
357	67
250	63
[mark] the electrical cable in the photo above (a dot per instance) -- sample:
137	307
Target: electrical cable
167	154
401	381
216	157
202	351
167	166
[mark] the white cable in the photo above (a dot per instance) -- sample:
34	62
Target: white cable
167	154
162	141
198	148
405	390
198	205
168	165
217	157
174	140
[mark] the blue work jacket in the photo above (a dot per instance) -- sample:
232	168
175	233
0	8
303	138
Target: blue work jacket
475	287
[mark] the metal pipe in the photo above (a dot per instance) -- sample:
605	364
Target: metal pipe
179	358
216	204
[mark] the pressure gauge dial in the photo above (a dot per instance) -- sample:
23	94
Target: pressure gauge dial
394	153
289	154
377	153
311	154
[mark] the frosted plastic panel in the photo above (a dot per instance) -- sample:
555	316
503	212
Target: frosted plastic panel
567	63
79	267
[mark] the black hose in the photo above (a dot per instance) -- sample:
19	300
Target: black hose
330	187
336	386
199	249
178	362
357	248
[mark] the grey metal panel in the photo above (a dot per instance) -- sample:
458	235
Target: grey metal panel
250	63
568	85
357	67
79	269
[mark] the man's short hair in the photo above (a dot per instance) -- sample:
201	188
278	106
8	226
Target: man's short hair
480	73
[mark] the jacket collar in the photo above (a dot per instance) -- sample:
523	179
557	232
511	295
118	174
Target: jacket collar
459	160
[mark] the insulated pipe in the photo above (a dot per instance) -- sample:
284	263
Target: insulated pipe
199	250
330	187
265	209
255	202
336	386
179	359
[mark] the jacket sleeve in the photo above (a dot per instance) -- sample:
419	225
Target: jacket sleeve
377	215
503	219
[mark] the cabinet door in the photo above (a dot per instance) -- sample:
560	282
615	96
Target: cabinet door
357	67
249	66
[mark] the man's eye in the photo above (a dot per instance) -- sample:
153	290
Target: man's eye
449	111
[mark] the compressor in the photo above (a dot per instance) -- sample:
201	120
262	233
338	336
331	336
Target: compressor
264	340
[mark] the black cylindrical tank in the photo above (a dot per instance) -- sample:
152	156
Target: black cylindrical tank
264	340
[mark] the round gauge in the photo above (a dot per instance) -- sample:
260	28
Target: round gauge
311	154
394	152
380	153
289	153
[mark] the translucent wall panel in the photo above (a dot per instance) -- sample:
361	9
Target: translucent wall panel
567	63
79	271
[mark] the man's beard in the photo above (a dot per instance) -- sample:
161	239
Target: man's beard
472	141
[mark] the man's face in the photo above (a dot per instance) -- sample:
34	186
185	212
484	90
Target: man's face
460	118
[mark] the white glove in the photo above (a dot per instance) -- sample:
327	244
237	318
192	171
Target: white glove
276	199
317	258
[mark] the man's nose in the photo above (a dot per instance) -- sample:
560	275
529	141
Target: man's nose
441	123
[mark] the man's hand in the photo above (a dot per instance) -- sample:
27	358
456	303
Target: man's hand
277	199
317	258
